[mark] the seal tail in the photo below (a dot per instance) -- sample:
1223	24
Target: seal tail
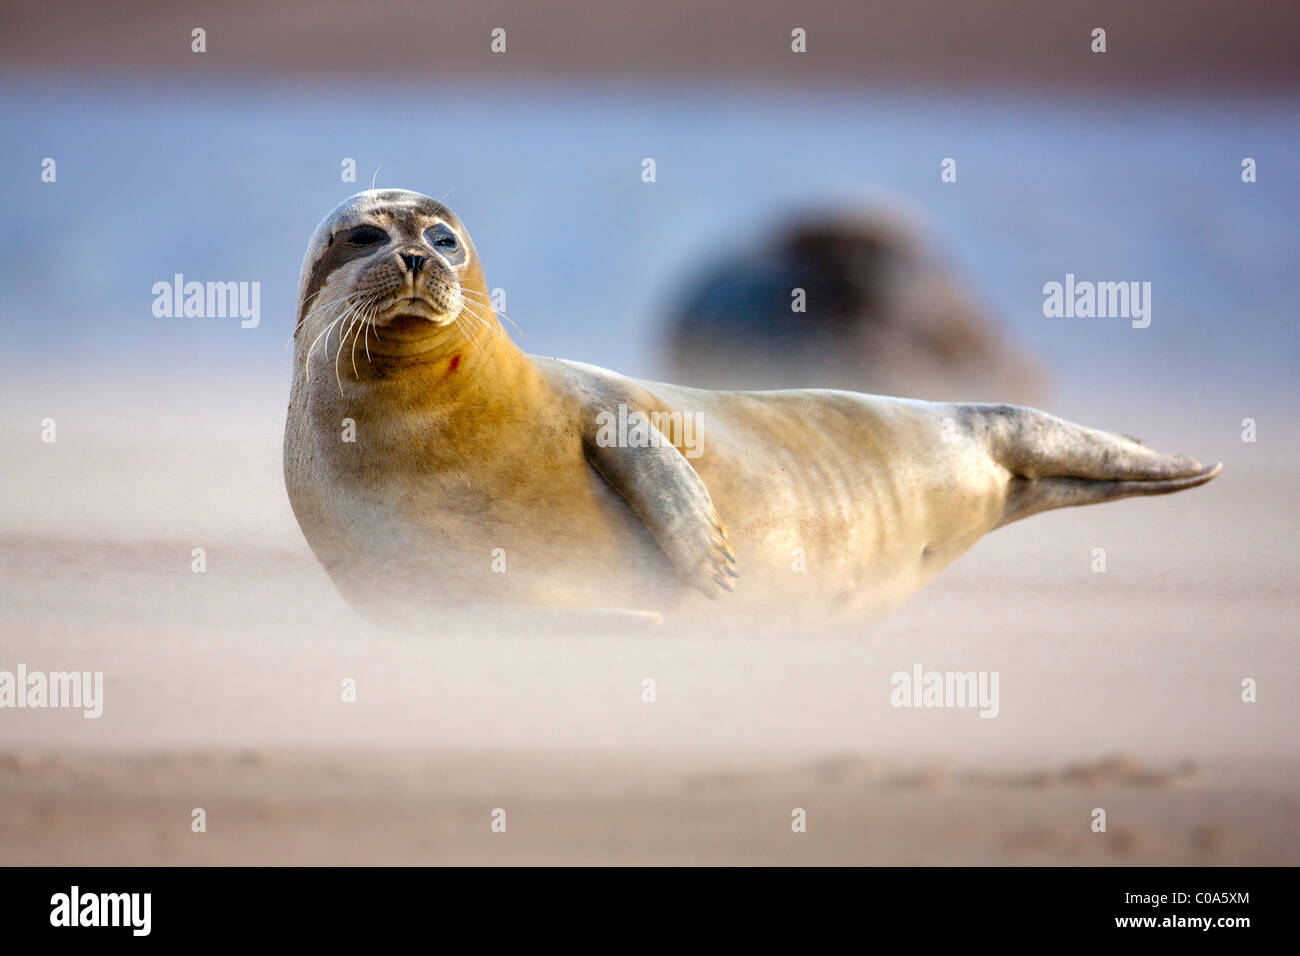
1057	464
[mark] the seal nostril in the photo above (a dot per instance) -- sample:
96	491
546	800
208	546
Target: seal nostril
413	263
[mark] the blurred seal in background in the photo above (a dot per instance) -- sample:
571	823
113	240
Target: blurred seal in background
856	301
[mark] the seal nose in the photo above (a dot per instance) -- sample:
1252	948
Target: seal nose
413	263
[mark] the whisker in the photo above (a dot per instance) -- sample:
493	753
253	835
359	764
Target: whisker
473	339
477	310
310	313
500	313
344	314
361	324
356	312
481	324
320	306
306	365
337	377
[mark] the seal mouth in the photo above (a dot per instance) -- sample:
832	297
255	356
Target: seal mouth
412	310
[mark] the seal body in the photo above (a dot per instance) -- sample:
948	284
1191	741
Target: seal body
446	468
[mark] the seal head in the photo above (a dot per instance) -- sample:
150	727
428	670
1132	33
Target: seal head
395	267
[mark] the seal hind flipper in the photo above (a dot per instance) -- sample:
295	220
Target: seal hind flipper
1029	496
670	497
1058	464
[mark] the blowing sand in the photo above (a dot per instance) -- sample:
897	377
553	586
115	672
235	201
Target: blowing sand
1119	690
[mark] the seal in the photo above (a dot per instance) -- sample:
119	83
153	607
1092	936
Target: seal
856	299
434	467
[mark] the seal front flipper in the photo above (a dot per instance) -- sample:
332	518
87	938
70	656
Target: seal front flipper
667	494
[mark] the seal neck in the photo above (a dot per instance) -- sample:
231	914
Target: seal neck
483	368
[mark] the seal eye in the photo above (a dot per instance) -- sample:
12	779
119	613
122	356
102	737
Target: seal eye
441	237
366	236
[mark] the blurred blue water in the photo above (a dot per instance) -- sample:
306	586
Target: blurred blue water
228	182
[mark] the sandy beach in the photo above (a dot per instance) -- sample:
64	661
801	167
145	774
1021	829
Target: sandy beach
1119	690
